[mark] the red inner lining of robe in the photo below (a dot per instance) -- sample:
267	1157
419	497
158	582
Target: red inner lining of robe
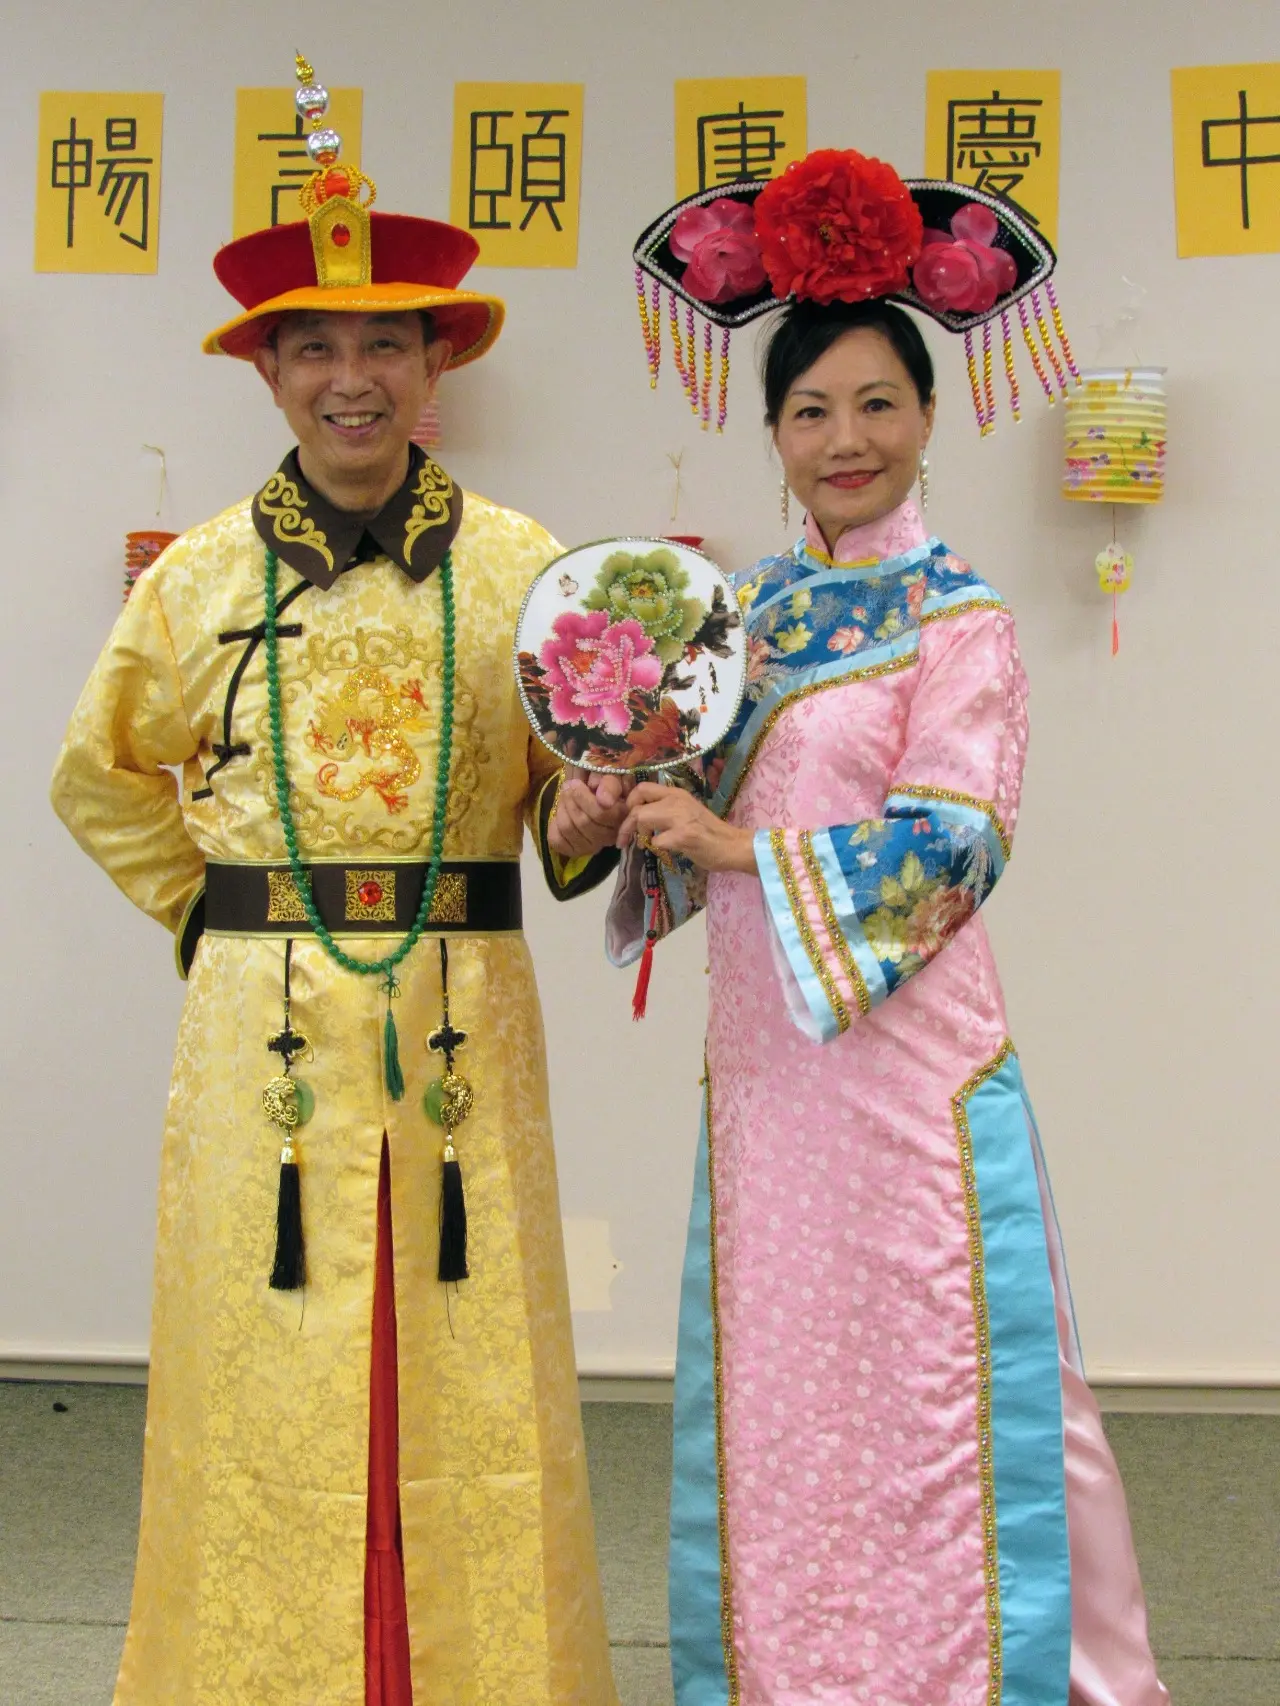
388	1681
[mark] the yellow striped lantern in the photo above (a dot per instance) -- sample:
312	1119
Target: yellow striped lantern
1114	454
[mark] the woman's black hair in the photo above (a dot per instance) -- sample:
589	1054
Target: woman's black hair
806	331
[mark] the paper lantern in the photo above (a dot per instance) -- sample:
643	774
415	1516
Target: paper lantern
427	432
1115	421
1114	454
140	551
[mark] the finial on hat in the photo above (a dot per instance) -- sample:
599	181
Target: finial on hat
337	197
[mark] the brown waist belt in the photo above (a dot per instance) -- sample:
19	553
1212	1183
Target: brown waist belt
369	899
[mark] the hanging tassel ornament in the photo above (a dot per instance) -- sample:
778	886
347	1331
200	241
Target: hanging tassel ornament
288	1103
447	1102
391	1072
652	891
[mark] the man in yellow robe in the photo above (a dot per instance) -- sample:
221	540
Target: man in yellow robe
301	1541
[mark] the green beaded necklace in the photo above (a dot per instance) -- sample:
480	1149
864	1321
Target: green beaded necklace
385	967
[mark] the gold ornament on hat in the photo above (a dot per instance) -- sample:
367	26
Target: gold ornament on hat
336	199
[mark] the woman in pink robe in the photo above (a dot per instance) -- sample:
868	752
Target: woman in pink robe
891	1481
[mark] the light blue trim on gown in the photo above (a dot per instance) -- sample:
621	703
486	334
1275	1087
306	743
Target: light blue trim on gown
697	1640
1026	1397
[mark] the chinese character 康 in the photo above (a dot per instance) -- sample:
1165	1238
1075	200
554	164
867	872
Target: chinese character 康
1242	159
994	139
737	145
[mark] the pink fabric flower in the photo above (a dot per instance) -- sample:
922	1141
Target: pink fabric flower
962	271
593	666
718	243
846	640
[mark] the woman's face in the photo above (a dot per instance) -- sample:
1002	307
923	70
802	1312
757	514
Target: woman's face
851	431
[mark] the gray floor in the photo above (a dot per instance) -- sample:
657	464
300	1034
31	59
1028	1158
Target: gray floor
1204	1492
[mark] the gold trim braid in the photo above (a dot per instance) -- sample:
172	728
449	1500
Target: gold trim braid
722	1499
848	965
778	846
982	1333
951	797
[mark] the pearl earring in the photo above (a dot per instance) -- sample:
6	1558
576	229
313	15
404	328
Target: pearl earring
785	501
924	481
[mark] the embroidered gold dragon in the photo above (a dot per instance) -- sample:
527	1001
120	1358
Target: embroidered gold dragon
368	719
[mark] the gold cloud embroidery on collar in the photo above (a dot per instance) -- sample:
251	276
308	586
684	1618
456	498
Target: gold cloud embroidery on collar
284	503
433	490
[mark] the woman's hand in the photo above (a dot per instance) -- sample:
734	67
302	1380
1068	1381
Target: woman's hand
674	822
589	810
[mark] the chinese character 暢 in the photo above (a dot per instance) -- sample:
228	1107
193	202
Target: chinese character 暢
288	178
736	145
1243	159
992	142
124	183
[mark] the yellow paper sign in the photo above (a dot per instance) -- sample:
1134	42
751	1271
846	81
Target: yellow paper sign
1226	159
517	171
98	182
272	162
998	131
737	127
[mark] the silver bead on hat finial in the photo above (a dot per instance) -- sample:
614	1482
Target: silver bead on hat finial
312	102
324	146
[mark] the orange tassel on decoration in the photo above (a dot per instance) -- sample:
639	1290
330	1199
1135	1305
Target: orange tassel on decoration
640	999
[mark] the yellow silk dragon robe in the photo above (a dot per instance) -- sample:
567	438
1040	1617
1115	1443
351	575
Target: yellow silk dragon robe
250	1576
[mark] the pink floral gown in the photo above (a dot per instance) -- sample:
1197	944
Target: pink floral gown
891	1483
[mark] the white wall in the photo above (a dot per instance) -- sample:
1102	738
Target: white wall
1138	924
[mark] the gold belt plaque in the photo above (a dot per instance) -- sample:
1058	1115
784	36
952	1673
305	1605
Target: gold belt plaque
371	897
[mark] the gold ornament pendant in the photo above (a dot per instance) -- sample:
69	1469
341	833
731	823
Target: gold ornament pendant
448	1100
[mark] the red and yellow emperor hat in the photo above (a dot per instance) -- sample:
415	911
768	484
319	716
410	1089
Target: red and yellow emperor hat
344	259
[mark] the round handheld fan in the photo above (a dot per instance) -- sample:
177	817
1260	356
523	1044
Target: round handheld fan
631	655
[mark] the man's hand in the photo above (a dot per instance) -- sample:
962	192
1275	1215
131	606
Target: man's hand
589	812
674	822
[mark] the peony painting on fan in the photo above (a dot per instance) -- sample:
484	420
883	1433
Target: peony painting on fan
630	655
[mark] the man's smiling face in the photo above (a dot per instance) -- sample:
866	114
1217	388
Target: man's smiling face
352	387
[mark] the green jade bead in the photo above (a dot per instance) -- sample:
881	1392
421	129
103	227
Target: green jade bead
304	1099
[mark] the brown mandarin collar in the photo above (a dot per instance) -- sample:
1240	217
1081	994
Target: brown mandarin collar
415	527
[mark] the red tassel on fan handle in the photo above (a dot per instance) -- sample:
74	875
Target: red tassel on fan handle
1115	625
640	999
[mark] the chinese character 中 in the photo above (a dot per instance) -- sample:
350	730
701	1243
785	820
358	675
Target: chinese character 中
124	187
995	138
737	145
1242	159
289	179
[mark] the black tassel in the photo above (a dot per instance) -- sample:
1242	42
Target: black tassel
453	1221
290	1270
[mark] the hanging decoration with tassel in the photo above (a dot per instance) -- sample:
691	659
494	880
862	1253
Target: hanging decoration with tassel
448	1101
652	897
288	1103
1114	453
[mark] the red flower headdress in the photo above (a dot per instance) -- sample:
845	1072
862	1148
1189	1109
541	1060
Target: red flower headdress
838	226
